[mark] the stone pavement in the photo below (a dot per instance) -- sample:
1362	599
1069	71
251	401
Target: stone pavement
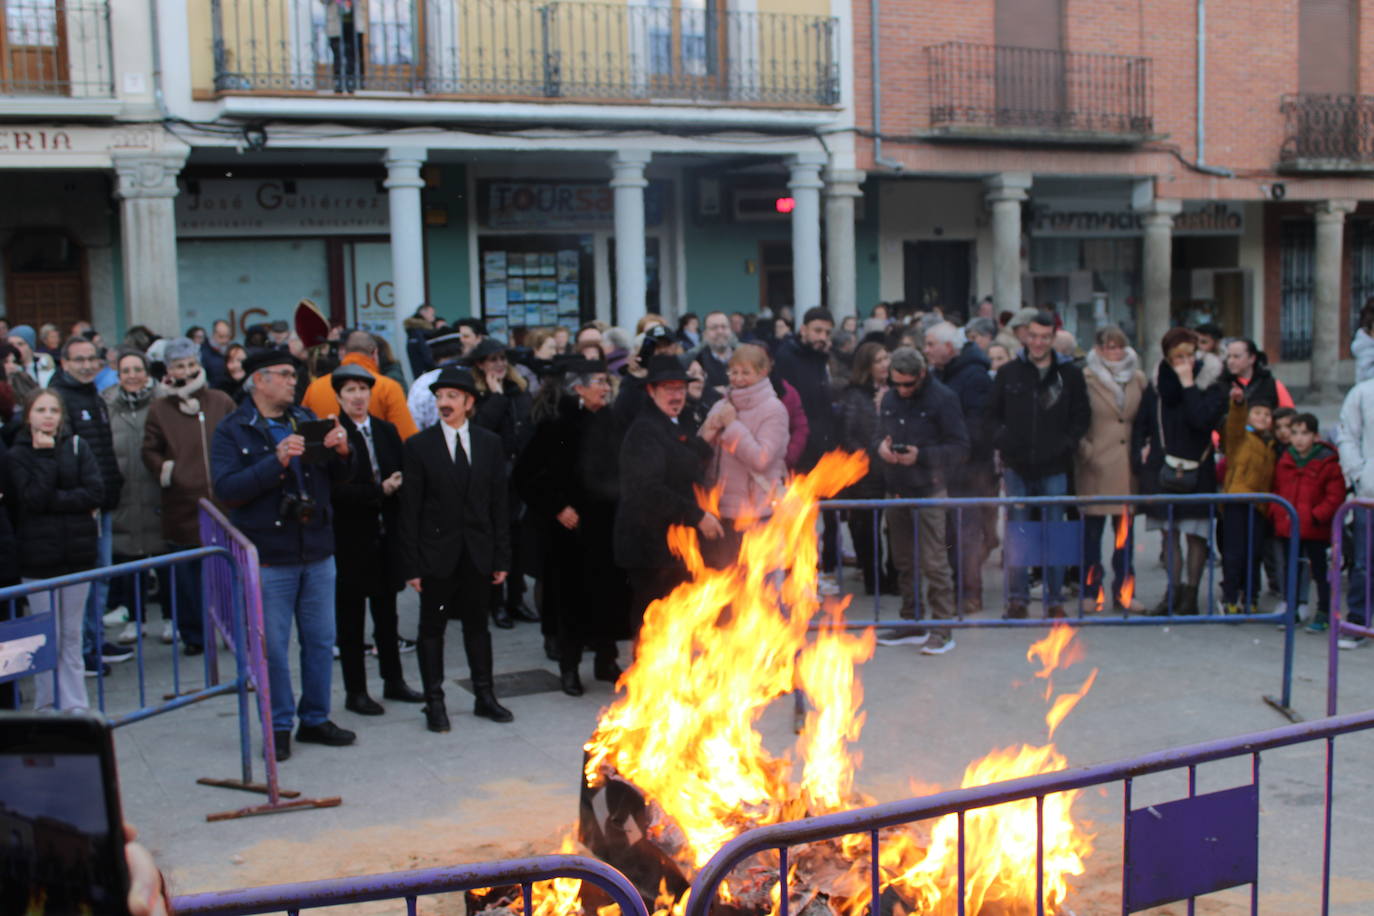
487	791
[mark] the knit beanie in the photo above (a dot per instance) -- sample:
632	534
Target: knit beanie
25	331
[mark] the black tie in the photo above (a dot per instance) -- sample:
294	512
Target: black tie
460	457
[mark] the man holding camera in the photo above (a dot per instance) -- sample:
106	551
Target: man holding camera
275	476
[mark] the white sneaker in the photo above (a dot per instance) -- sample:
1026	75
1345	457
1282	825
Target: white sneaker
1304	614
903	637
1351	642
827	584
129	635
938	645
117	616
166	632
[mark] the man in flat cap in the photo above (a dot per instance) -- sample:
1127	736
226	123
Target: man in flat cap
455	540
280	499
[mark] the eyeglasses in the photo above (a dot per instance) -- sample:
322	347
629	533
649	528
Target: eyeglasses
911	384
284	373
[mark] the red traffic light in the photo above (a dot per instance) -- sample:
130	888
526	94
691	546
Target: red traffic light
784	204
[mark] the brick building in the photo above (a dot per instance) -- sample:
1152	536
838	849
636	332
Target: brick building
1150	163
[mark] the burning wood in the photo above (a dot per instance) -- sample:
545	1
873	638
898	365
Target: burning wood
676	767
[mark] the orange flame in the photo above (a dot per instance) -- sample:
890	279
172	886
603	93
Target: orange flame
1123	531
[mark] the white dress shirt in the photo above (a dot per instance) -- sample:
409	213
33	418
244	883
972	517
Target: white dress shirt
462	433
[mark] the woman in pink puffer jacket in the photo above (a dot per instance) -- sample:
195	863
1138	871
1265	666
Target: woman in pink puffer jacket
749	431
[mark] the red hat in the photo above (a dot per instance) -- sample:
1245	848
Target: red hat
311	325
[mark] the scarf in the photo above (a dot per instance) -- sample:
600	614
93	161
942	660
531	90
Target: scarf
187	402
1115	374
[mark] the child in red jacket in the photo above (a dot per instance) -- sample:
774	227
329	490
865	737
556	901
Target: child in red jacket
1308	475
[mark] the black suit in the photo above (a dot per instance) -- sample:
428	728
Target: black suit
365	554
454	534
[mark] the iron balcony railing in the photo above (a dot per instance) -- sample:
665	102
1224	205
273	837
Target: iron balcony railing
536	49
999	91
56	48
1328	132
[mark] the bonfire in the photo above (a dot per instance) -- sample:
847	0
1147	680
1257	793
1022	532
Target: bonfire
683	734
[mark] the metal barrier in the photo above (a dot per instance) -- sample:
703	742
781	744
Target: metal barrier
1055	544
1171	852
410	885
1339	625
250	644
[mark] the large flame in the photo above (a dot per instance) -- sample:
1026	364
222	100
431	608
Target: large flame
713	655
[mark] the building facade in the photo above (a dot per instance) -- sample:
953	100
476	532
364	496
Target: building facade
1147	164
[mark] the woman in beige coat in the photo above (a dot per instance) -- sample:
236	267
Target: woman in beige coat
1103	464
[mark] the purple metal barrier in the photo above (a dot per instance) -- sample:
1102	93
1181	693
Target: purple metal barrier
1171	852
1047	546
409	885
244	631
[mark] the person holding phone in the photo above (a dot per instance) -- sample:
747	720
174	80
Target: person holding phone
58	492
282	504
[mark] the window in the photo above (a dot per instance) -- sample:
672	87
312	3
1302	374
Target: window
683	37
1361	268
1297	244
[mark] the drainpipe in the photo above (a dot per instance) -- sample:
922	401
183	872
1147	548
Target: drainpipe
156	30
1201	164
876	59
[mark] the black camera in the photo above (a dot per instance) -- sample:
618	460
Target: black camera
296	507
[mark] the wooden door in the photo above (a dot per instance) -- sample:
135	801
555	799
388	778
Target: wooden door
45	280
687	44
33	48
937	274
775	275
1228	289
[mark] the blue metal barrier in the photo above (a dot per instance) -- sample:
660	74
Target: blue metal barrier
1047	546
1217	823
1340	626
409	885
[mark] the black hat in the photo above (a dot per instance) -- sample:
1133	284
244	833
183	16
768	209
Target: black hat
486	347
659	334
454	377
351	372
257	360
666	369
279	326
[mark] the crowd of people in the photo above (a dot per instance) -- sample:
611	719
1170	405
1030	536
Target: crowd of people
564	461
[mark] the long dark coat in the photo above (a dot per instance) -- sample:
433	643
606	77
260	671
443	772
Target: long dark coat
366	551
572	461
660	461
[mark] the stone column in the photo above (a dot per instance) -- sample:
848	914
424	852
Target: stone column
1006	193
842	188
406	219
1157	266
628	183
146	187
1326	304
805	184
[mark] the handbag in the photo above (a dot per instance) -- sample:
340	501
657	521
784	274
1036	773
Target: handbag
1177	475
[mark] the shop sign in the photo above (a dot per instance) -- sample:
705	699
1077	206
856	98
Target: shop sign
555	205
307	206
1102	219
16	141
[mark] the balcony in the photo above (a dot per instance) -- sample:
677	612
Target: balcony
56	49
1026	95
531	50
1328	133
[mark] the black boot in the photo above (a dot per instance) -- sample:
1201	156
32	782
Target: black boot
604	666
362	704
571	681
431	656
478	646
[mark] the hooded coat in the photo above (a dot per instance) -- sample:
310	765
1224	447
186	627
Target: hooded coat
1315	487
388	396
136	523
1181	419
56	492
750	455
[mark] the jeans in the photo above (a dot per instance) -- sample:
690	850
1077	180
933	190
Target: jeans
1122	566
1050	485
190	598
303	593
71	670
93	627
1356	585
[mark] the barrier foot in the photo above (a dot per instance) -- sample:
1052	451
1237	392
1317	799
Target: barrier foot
259	787
1288	712
279	808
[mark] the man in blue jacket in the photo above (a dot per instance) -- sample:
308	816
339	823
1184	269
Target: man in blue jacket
278	496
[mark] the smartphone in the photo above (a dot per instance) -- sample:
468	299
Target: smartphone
61	828
313	432
901	449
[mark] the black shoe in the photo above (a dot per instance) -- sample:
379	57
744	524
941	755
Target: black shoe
400	691
521	611
501	617
486	706
605	669
436	716
193	649
363	705
551	648
282	742
405	645
1016	610
325	733
572	683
